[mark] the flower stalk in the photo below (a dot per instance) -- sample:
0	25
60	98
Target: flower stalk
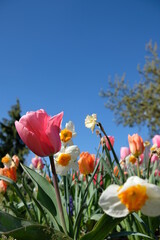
114	154
55	182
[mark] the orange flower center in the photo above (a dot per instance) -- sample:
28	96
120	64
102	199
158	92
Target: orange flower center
6	159
132	159
65	135
64	159
134	197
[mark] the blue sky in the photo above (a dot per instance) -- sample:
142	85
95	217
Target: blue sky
57	55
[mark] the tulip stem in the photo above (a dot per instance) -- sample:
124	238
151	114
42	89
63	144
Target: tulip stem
138	170
55	182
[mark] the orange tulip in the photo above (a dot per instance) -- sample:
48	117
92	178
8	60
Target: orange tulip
116	171
86	163
9	172
136	144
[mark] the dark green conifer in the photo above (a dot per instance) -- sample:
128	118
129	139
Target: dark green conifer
10	141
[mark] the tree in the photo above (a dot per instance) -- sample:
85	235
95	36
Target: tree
10	141
138	105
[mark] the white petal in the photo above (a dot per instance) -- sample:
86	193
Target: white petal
74	151
61	170
152	205
70	126
132	181
111	204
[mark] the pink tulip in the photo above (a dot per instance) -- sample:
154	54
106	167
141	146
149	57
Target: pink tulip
157	173
37	163
104	140
154	158
124	152
141	158
40	132
156	140
136	144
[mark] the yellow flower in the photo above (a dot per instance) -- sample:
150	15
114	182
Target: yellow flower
136	194
91	121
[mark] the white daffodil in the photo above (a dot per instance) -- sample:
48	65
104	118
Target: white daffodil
91	121
68	133
136	194
66	159
130	160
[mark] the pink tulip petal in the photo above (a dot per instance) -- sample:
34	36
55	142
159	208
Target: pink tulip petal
53	131
29	139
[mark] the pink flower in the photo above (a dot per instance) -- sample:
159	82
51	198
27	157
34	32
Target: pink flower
157	173
141	158
15	159
124	152
40	132
3	186
136	144
37	163
154	158
104	140
156	140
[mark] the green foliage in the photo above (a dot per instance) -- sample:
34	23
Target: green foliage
30	210
10	141
137	105
16	228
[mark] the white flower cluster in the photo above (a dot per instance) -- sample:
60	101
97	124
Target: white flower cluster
66	158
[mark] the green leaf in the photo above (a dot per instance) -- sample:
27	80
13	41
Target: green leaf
36	232
46	193
9	222
47	197
102	228
18	193
97	216
123	234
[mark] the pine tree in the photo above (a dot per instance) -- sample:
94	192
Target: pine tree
10	141
138	105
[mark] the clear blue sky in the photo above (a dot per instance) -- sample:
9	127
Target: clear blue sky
57	55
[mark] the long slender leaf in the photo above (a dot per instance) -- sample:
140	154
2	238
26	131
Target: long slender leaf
102	228
47	197
123	234
9	222
36	232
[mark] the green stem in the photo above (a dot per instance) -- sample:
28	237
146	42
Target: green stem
114	154
138	169
55	182
149	163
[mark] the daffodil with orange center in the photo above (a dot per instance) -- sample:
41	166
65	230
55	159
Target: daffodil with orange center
136	194
68	133
66	159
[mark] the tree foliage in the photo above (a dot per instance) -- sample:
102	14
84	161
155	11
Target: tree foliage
138	105
10	141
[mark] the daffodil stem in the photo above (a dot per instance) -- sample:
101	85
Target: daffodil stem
55	182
